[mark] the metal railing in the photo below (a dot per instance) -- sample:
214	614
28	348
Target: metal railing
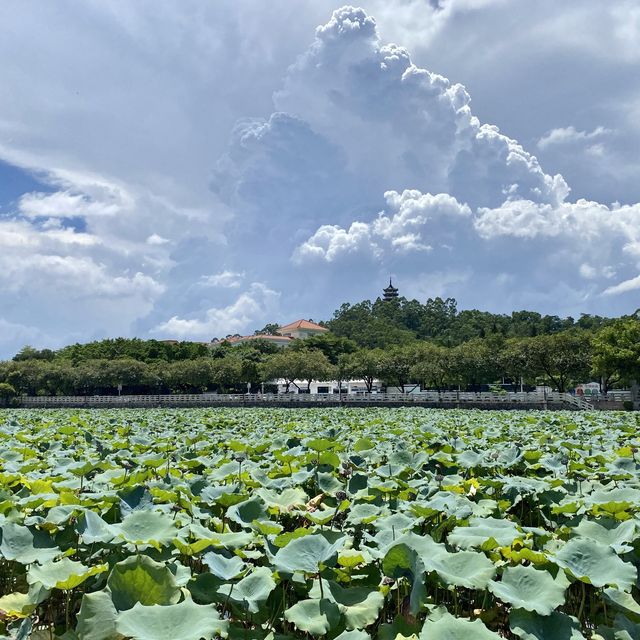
212	399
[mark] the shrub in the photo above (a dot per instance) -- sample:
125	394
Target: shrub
7	392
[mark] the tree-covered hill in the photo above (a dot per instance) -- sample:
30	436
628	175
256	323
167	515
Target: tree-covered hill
384	322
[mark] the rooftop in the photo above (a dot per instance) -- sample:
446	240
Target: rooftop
302	324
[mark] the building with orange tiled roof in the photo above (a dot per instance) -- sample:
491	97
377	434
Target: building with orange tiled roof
301	329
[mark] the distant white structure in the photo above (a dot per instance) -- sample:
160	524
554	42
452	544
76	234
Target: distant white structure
320	387
588	389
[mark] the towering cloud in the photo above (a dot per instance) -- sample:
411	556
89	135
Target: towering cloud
432	185
226	172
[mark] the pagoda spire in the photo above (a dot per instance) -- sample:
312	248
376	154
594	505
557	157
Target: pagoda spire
390	293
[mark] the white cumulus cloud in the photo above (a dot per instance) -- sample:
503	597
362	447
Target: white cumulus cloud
250	308
225	279
567	135
624	287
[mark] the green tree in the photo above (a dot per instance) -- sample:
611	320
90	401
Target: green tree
133	375
287	364
560	357
515	361
29	353
292	365
26	376
188	376
331	345
475	362
395	365
269	329
364	364
229	371
616	353
433	365
7	393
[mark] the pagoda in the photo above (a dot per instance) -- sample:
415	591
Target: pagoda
390	293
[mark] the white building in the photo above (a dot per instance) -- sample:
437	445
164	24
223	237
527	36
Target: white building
329	386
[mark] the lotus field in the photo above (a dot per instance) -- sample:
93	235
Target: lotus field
332	523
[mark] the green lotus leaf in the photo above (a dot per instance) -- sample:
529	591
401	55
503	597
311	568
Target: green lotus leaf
353	635
238	632
231	540
97	617
358	482
469	569
397	522
609	532
328	483
308	554
224	471
62	574
443	626
360	606
621	600
531	589
399	629
321	444
26	546
244	513
556	626
363	444
186	621
204	588
92	528
480	530
285	500
316	617
452	504
223	567
596	564
56	516
146	528
252	591
135	497
330	458
363	513
21	605
350	558
267	527
230	492
284	539
623	629
614	500
468	459
139	579
425	546
321	516
401	561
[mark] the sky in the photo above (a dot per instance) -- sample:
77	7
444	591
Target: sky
192	169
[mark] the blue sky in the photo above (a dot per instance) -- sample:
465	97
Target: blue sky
187	170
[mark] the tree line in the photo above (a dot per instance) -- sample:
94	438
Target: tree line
609	353
382	323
